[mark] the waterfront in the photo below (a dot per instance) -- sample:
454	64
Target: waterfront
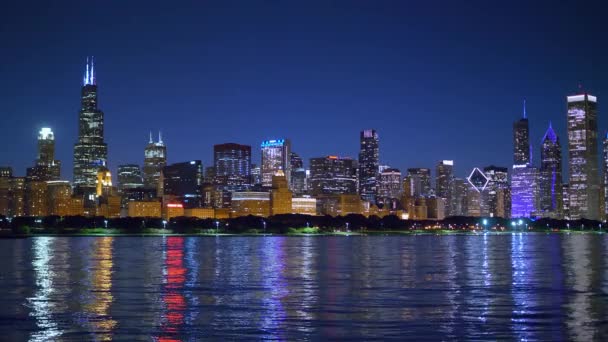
468	287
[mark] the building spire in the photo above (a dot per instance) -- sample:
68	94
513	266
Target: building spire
151	141
525	114
92	80
160	137
86	74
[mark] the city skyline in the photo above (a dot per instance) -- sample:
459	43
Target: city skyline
392	86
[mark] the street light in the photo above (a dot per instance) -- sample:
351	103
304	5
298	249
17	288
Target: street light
105	223
164	224
485	223
264	224
217	226
347	225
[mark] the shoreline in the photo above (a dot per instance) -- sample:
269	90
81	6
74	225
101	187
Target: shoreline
162	233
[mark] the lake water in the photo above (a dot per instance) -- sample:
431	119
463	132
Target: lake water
466	287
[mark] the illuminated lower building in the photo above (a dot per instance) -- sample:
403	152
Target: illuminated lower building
340	205
59	197
76	207
36	198
17	194
280	195
250	203
304	205
435	208
145	209
129	177
171	210
201	213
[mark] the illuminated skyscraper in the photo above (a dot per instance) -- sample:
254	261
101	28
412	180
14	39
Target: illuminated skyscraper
232	164
524	179
389	184
418	182
583	157
155	158
46	168
91	151
496	198
129	177
521	140
369	156
333	175
276	156
445	180
551	203
605	166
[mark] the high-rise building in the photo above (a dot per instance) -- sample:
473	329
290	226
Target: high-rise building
583	157
46	168
6	173
298	174
605	171
566	201
333	175
369	160
389	185
17	196
418	182
232	164
551	176
183	182
444	183
36	198
478	183
256	175
155	158
458	207
496	199
521	140
276	156
59	197
524	191
129	177
91	151
103	184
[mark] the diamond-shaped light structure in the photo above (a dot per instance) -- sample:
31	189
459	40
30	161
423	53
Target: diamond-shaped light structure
478	180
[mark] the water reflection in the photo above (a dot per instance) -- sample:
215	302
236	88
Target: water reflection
467	287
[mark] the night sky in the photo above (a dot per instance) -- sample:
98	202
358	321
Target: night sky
437	80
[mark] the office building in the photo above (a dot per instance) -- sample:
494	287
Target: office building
145	209
444	183
183	183
583	157
155	159
333	175
276	156
280	195
232	167
389	185
496	198
417	183
369	160
129	177
91	151
250	203
550	181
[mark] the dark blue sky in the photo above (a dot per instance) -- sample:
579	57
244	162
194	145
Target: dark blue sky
437	79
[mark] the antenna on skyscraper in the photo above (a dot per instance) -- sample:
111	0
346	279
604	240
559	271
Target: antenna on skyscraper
160	137
92	70
151	141
525	114
86	75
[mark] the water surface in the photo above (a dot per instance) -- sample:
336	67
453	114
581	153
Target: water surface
466	287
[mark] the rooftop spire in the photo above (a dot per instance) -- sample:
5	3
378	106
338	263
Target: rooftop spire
525	114
160	137
92	80
86	74
151	141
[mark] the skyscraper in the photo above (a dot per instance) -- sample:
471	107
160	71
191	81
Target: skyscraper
389	184
155	158
496	199
605	170
369	160
333	175
551	203
276	156
232	164
129	177
418	182
521	140
183	182
445	180
524	179
583	157
91	151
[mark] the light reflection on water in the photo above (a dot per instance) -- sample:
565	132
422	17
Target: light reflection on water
481	287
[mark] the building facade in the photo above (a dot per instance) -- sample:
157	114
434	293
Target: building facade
129	177
155	159
444	183
232	166
333	175
369	160
551	201
583	157
276	156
